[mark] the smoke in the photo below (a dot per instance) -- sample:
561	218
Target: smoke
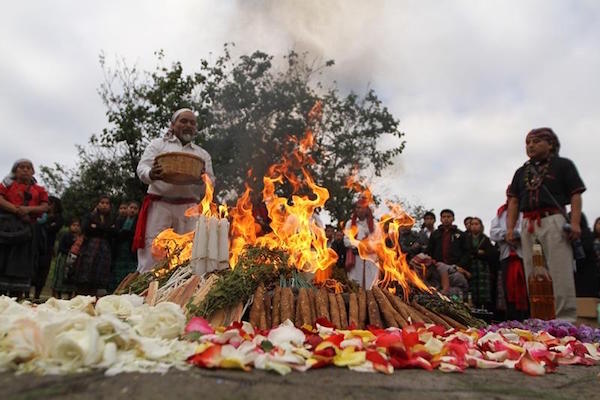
337	29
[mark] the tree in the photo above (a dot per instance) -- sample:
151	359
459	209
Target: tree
248	109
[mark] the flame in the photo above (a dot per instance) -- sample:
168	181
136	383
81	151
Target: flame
382	246
206	206
292	223
293	226
173	246
244	229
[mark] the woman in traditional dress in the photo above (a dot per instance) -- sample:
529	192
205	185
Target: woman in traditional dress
51	222
481	260
22	202
92	268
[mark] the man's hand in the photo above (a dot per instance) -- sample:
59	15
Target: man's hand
463	271
575	232
21	211
156	171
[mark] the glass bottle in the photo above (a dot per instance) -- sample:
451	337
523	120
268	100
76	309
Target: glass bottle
541	293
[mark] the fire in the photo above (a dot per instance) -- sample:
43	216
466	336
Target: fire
206	206
178	247
173	246
244	228
293	227
382	247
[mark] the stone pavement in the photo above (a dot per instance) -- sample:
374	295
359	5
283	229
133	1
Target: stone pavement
569	382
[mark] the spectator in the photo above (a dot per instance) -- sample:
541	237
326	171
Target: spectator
446	278
339	247
481	262
51	222
61	282
329	234
426	230
22	202
586	282
467	223
446	243
511	274
409	242
125	260
122	213
92	268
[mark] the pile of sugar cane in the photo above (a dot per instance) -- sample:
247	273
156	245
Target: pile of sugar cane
374	307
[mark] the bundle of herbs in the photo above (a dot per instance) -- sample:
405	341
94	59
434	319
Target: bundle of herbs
256	265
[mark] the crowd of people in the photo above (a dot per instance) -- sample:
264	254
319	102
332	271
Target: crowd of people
93	254
88	256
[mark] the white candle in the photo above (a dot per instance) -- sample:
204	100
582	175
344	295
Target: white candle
223	257
212	255
200	246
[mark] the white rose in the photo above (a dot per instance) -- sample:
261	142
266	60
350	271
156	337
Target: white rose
8	306
75	342
113	304
165	320
22	341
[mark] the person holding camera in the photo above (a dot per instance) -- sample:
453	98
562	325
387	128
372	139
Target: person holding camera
541	189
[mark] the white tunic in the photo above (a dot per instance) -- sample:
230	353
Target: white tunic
498	232
163	215
365	272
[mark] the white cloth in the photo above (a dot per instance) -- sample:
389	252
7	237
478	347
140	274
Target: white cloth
365	272
167	144
162	215
498	233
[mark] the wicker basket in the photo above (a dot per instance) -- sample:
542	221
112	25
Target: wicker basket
180	168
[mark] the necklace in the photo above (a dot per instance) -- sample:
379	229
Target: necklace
534	175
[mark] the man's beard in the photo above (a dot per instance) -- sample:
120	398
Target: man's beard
187	137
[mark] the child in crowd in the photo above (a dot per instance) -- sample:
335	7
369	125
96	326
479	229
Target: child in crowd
125	259
50	223
122	213
512	296
61	283
92	268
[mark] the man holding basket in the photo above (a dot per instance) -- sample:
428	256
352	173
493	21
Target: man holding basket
166	202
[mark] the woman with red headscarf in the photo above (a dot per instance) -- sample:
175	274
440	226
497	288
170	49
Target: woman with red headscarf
22	202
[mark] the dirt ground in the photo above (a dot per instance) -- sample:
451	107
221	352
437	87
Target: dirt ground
569	382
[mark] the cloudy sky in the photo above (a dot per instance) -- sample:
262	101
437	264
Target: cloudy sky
467	79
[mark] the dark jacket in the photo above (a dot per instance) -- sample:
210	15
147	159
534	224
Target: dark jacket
457	246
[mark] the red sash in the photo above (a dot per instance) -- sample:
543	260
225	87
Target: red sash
516	289
139	241
536	216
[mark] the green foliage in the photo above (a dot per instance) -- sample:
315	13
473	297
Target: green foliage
248	107
255	266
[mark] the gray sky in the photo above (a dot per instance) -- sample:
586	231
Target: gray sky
467	79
